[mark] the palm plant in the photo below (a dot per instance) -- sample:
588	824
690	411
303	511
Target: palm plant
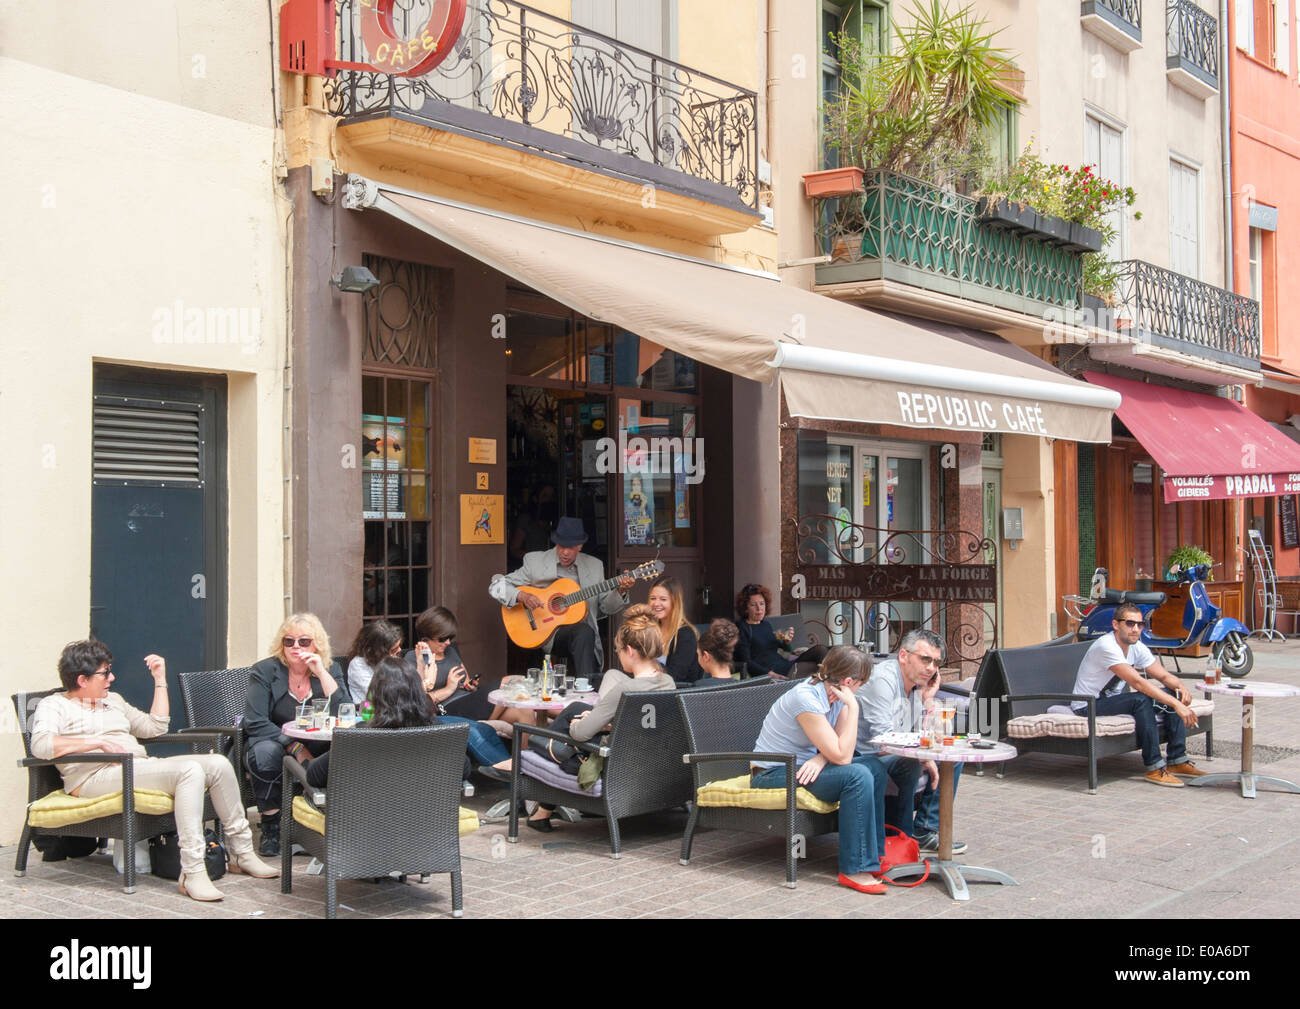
923	107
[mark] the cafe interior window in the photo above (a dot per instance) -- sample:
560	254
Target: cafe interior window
396	478
663	462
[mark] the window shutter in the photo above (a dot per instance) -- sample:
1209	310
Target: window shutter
1281	36
147	441
1184	224
1245	17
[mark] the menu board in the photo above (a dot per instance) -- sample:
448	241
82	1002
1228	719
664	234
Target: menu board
1290	533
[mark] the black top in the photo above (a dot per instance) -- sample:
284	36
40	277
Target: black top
268	687
758	649
683	660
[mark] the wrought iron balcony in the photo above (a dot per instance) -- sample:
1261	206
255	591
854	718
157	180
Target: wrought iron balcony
1119	22
1192	48
911	232
1177	312
524	78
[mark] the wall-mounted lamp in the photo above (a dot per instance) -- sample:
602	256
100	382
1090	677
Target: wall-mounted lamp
1013	526
355	280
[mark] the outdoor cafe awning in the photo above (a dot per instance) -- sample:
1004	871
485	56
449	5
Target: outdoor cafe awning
1210	448
835	361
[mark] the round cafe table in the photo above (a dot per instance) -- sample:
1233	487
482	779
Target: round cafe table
954	875
506	698
1246	777
292	730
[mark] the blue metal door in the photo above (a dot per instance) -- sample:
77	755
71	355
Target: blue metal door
157	527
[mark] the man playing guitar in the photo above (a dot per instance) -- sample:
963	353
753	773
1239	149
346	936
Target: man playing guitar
579	641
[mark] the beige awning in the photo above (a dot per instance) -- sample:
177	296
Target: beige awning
835	361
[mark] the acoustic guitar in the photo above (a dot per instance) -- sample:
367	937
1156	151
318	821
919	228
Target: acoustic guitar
563	602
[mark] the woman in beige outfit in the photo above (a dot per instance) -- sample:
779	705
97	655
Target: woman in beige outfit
87	718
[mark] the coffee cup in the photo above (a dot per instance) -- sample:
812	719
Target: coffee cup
581	684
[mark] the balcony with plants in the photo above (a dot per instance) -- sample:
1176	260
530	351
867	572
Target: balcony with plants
556	92
920	202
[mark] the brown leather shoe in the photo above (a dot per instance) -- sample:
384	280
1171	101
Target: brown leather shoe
1186	768
1161	776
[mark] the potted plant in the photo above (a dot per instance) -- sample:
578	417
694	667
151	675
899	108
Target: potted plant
832	182
923	107
1186	557
1000	212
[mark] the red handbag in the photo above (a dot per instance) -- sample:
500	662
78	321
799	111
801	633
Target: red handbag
900	850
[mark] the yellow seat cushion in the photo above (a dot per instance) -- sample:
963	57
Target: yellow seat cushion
736	792
59	809
312	818
307	815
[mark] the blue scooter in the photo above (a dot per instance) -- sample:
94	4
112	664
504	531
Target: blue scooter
1225	636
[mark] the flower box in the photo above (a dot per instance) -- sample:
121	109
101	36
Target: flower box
832	182
1053	229
1083	238
1003	214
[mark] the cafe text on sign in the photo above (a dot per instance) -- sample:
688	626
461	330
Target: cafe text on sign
952	583
426	46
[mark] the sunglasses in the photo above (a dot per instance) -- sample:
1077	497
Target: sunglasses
449	637
103	672
1132	623
300	642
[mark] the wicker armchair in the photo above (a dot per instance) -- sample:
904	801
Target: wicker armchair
128	825
720	730
643	764
391	806
214	701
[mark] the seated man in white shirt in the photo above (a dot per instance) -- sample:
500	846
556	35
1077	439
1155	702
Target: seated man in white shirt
1120	671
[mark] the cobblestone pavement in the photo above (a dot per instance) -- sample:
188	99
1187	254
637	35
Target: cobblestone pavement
1131	850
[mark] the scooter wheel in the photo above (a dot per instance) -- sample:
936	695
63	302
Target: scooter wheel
1235	655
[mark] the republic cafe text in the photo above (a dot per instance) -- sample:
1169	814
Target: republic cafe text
965	412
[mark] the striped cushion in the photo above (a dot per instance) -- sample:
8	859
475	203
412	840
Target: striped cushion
1065	726
312	818
736	792
59	809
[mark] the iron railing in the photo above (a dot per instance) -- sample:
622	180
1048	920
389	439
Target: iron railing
907	230
1192	39
525	78
1128	11
1175	311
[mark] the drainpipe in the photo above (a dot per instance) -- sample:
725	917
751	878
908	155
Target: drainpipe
1228	138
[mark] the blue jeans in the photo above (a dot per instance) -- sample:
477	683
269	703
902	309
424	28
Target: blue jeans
905	773
859	788
485	746
1143	710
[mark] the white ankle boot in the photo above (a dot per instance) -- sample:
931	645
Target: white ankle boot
197	886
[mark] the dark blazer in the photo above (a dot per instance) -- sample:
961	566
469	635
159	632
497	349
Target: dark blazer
268	684
683	660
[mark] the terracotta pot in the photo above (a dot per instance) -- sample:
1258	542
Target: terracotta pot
832	182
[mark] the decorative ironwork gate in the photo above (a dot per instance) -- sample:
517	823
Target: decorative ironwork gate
852	569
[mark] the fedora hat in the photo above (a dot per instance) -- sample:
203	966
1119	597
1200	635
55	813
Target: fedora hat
569	532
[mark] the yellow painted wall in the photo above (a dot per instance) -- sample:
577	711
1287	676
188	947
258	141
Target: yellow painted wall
141	151
1029	571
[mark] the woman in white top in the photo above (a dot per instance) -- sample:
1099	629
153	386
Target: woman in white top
87	718
376	641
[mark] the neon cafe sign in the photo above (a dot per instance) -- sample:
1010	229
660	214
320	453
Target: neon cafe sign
307	39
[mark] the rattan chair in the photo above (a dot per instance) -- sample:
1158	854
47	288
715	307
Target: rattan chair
720	730
214	701
392	805
128	826
643	764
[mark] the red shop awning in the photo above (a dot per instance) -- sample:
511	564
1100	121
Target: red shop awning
1209	448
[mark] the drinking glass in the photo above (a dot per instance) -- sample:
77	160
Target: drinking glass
560	679
320	706
304	714
347	716
534	680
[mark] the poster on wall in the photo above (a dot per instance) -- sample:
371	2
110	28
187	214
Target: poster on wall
482	518
1290	532
638	511
383	448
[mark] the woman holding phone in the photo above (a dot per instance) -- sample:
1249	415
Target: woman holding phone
437	662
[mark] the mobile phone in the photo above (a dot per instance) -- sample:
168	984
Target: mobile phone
1236	686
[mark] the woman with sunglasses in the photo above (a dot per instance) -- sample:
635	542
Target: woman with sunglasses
89	718
300	667
436	660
